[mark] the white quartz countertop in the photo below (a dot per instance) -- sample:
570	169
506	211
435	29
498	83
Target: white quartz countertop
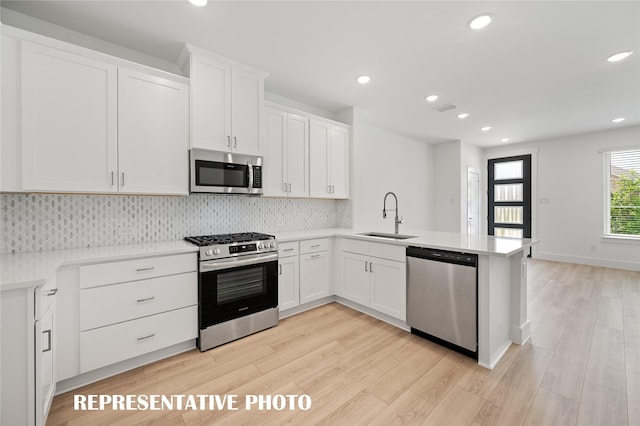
487	245
35	268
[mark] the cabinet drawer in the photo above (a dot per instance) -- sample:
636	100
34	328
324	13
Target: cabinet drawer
108	345
112	304
137	269
288	249
312	246
388	251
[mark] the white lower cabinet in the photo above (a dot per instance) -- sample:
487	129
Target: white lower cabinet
155	307
28	354
107	345
304	269
374	282
288	276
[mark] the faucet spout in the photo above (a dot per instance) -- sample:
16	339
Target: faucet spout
397	220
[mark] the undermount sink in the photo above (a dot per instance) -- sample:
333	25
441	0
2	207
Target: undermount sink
391	236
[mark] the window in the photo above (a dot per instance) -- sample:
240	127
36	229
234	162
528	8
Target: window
622	193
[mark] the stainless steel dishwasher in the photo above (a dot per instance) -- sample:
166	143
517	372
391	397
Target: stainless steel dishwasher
442	297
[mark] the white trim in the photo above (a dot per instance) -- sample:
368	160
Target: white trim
620	239
620	148
591	261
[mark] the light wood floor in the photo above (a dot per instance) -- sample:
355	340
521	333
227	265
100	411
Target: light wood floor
581	366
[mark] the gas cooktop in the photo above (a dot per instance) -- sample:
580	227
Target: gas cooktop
233	245
242	237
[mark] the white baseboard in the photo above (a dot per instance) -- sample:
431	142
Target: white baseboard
120	367
591	261
372	313
306	307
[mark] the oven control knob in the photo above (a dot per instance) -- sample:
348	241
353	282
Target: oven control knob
216	251
272	245
208	252
259	246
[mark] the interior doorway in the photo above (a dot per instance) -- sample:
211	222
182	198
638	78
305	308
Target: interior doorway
473	201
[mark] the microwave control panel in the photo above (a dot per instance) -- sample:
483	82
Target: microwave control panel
257	176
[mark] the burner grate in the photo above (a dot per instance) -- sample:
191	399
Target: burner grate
242	237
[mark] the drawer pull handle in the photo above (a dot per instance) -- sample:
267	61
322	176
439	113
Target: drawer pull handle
313	256
151	268
146	337
49	340
289	249
146	299
315	245
52	292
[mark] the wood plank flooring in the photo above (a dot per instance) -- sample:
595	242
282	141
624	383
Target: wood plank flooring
580	367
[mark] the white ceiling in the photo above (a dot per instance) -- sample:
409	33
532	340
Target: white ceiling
539	71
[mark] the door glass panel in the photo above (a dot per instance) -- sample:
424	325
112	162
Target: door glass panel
508	232
510	192
508	214
508	170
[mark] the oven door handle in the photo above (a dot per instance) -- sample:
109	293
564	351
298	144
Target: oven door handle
216	265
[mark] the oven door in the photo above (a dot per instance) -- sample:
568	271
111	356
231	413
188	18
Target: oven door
235	287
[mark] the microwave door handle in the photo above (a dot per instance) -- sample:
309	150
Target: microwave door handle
250	176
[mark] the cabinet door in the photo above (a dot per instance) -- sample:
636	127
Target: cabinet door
355	286
152	134
314	276
297	158
288	283
69	122
339	162
389	287
319	134
275	165
247	91
47	360
210	104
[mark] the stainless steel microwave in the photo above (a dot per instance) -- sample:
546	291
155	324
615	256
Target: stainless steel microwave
225	172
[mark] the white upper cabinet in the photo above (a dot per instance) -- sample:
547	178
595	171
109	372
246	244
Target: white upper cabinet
153	131
69	121
227	101
286	157
329	160
89	125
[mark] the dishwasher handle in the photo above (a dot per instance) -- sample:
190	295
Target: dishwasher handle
465	259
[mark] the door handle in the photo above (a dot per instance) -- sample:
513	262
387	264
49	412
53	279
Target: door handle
49	340
235	142
229	141
280	269
112	177
365	267
371	267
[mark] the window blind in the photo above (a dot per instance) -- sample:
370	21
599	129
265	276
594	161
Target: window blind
621	185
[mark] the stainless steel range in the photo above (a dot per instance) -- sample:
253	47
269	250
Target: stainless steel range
237	286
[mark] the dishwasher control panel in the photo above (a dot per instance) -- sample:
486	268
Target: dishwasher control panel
443	255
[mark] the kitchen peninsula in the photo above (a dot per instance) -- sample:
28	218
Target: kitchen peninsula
502	280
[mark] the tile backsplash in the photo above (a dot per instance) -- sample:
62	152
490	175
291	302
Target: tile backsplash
34	222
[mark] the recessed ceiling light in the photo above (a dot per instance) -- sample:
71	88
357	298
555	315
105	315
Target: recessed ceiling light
198	2
462	115
619	56
504	140
486	128
481	21
363	79
618	120
432	98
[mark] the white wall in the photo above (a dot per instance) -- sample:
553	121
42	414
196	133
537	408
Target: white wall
384	161
447	178
569	176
